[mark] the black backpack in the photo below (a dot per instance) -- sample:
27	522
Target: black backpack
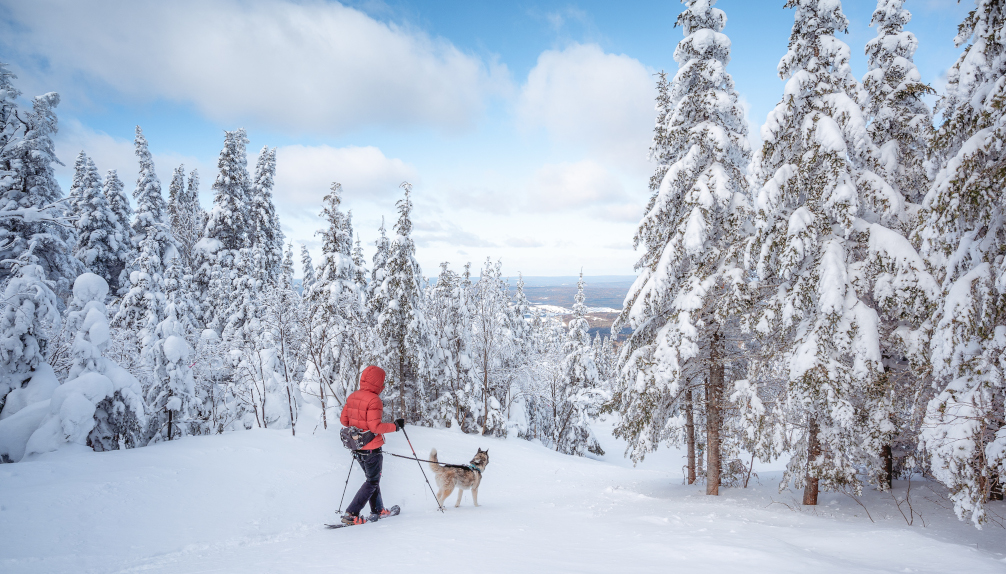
354	438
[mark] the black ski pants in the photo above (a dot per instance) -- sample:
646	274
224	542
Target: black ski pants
371	461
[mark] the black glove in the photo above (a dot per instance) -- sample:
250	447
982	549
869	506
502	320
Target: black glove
399	424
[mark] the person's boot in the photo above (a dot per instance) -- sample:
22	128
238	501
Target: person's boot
352	519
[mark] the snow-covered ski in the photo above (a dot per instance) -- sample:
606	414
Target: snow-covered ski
372	518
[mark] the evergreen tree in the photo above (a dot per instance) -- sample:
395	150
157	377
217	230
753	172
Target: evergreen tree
899	121
308	268
172	395
184	214
151	210
360	275
31	219
286	271
125	251
228	229
689	293
579	399
826	250
378	271
335	305
140	312
35	237
119	415
396	299
97	244
266	232
964	240
449	373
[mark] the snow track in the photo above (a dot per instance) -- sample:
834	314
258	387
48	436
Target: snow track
256	501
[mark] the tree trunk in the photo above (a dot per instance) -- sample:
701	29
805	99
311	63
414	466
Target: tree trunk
289	401
324	415
813	451
714	393
690	431
485	391
169	423
887	481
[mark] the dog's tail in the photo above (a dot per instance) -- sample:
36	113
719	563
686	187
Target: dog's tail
434	463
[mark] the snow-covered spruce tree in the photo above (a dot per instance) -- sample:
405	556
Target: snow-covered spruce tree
963	237
77	183
184	213
578	400
97	244
396	300
125	250
34	235
360	276
308	268
263	222
239	322
449	376
119	416
685	302
286	270
31	217
335	306
378	271
900	123
227	228
835	275
171	397
140	311
150	219
100	405
492	349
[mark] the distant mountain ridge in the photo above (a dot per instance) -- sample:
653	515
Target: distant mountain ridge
600	290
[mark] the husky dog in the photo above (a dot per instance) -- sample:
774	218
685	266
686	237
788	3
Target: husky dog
463	478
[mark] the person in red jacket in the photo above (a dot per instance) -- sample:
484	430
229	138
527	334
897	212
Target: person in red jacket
364	410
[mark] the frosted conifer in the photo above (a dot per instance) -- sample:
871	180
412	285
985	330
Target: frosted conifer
228	226
266	232
125	251
833	269
900	122
335	304
97	244
964	239
397	298
31	219
689	289
307	267
579	399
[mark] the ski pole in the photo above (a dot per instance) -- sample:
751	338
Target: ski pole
343	499
440	506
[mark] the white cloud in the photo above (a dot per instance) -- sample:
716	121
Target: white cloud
304	175
523	242
428	233
302	66
565	186
581	95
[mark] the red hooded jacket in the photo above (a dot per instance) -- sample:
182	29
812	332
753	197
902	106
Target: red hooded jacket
364	408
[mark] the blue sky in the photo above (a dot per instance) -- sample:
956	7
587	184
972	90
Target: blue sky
523	126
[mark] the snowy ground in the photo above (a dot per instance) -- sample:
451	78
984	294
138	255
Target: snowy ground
255	502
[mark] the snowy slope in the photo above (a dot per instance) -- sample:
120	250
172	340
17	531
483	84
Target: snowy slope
255	501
